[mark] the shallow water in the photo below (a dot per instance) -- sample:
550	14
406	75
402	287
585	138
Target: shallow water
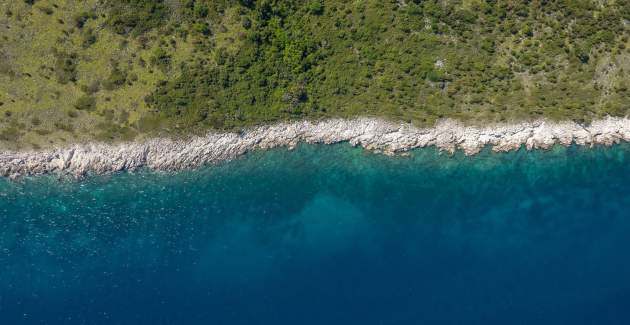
326	235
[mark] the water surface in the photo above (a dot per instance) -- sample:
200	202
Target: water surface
326	235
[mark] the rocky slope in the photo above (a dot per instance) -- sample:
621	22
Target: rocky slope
372	134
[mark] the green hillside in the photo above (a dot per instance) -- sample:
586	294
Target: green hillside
116	70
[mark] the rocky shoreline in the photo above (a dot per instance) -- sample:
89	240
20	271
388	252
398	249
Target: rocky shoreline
370	133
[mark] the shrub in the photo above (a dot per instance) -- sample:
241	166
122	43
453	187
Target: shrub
315	7
89	38
116	79
161	59
91	88
64	126
46	10
201	10
137	16
247	23
65	66
85	102
202	28
81	19
10	134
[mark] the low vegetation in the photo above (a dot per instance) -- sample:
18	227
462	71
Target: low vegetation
115	70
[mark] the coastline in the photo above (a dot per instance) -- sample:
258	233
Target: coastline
374	134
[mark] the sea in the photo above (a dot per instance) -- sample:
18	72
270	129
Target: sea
326	234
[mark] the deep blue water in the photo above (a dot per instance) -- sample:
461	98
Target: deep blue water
326	235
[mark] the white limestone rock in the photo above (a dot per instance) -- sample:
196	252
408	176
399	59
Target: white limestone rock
370	133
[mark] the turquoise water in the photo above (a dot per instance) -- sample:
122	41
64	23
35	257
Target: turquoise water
326	235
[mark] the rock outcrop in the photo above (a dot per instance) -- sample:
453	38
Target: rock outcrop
370	133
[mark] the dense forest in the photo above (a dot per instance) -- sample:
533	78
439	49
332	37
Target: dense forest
113	70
